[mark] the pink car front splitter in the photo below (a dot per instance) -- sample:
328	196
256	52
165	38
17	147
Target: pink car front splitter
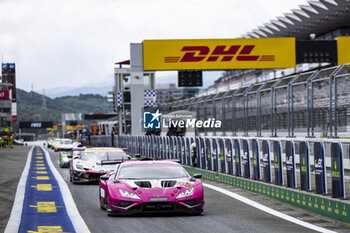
166	187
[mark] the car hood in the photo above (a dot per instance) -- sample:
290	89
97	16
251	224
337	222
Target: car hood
161	189
159	183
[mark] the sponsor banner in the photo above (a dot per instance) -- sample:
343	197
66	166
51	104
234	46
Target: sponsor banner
164	151
246	159
151	148
290	164
229	156
202	154
146	146
256	159
165	148
192	151
35	124
338	188
175	148
238	157
183	150
132	144
222	155
209	150
266	161
168	147
219	54
141	145
305	175
160	149
188	151
343	47
278	162
215	157
179	148
155	146
157	149
198	152
136	144
4	95
320	168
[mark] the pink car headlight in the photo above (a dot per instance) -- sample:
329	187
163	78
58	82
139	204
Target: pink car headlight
186	193
128	194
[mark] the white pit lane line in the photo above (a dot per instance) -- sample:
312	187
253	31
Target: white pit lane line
267	209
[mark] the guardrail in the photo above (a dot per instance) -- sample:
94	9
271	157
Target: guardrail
312	165
308	173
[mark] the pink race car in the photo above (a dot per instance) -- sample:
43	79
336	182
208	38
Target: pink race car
150	186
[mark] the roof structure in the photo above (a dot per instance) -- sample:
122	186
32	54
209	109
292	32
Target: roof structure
317	17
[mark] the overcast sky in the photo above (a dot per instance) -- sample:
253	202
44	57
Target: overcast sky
61	43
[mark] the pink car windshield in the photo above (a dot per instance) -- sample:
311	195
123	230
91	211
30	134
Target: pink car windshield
152	172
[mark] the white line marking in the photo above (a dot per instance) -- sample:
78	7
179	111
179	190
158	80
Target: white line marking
16	212
267	209
72	210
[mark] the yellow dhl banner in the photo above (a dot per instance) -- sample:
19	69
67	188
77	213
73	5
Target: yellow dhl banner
343	47
219	54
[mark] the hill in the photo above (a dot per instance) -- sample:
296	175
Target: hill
29	106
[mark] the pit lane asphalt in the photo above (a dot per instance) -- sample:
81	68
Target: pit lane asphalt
222	214
12	161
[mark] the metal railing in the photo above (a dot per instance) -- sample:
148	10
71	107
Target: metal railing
308	104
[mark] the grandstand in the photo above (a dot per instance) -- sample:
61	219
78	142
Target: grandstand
310	100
